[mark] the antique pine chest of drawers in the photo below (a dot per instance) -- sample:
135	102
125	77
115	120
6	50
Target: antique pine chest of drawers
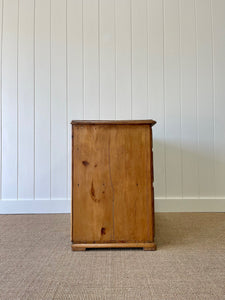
112	185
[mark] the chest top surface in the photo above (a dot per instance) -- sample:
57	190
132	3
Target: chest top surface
113	122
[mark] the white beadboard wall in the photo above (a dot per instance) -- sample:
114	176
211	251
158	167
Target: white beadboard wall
112	59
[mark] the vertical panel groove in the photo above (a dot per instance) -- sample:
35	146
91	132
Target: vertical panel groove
42	99
180	96
164	98
131	62
83	82
218	13
197	106
99	69
1	99
58	93
147	58
91	59
205	99
213	95
17	67
34	98
67	125
188	98
115	51
50	117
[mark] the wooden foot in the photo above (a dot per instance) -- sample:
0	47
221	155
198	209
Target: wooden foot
78	248
152	248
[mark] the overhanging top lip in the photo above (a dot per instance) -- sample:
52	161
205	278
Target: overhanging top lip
114	122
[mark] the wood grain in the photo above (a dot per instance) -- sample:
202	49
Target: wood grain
112	194
92	191
130	172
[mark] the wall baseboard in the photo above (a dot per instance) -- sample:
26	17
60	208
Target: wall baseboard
34	206
64	206
204	204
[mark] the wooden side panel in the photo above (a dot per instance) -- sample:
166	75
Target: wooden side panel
130	173
112	183
92	189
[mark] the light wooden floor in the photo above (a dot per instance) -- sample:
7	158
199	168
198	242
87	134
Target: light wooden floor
36	261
